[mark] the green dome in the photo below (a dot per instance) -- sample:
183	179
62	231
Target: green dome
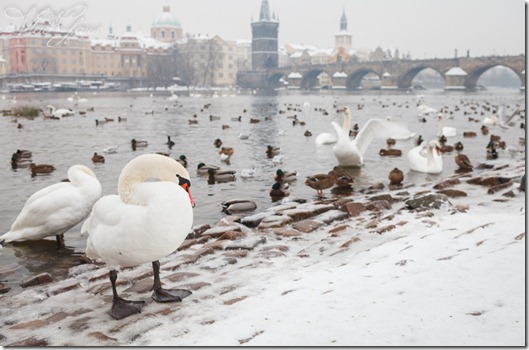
166	19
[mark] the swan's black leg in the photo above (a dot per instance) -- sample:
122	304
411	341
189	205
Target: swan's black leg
165	295
60	241
122	308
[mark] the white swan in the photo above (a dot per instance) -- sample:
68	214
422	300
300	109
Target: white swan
55	209
61	112
447	131
351	153
431	163
146	221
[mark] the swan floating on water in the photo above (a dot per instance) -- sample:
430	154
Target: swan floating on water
447	131
431	162
145	222
61	112
351	153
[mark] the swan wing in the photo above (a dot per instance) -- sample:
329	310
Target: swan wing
378	128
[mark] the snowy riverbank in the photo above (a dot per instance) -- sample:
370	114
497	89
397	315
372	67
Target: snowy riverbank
365	270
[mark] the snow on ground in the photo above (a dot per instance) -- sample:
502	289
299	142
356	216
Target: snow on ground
443	277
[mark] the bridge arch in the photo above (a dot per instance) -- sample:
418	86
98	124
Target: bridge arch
405	80
354	80
310	79
473	76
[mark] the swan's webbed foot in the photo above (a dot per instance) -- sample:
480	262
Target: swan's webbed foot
167	295
122	308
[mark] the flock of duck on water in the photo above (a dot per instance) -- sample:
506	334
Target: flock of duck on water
147	220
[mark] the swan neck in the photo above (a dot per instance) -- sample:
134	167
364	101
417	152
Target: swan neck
346	123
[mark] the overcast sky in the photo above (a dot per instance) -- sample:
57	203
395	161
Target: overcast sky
424	28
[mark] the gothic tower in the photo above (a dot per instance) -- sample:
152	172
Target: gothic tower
343	39
264	40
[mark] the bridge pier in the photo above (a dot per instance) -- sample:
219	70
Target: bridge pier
455	79
388	82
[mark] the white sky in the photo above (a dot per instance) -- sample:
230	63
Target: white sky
424	28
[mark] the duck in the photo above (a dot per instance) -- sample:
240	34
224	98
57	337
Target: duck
431	162
121	119
137	144
220	176
217	143
321	182
169	142
272	151
23	153
278	159
396	176
20	162
182	160
390	152
351	153
244	136
143	223
37	169
55	209
484	130
97	158
390	142
459	146
279	190
469	134
285	176
447	131
463	162
61	112
228	151
110	149
307	133
419	140
238	206
202	168
343	179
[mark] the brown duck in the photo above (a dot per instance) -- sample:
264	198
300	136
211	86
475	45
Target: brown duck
321	182
395	176
463	162
97	158
390	152
41	169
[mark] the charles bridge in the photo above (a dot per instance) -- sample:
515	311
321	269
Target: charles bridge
460	73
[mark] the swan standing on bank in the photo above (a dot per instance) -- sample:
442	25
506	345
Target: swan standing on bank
55	209
431	162
145	222
351	153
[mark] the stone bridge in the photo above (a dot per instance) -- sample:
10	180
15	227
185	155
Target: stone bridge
458	73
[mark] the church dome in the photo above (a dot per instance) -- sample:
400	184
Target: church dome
166	19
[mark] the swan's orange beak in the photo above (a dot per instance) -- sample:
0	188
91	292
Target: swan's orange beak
186	186
438	151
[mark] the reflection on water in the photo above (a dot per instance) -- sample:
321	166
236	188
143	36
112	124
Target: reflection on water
73	140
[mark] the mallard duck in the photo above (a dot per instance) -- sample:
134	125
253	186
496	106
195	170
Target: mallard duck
395	176
182	160
218	176
343	179
469	134
307	133
280	190
202	168
272	151
41	169
285	176
390	152
484	130
463	162
458	146
97	158
446	148
321	182
136	144
228	151
217	143
22	153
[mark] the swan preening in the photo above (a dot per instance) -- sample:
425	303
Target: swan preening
145	222
61	112
55	209
431	162
351	153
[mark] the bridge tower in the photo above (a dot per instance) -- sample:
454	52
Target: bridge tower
264	40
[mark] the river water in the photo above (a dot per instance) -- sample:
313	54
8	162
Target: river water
73	140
